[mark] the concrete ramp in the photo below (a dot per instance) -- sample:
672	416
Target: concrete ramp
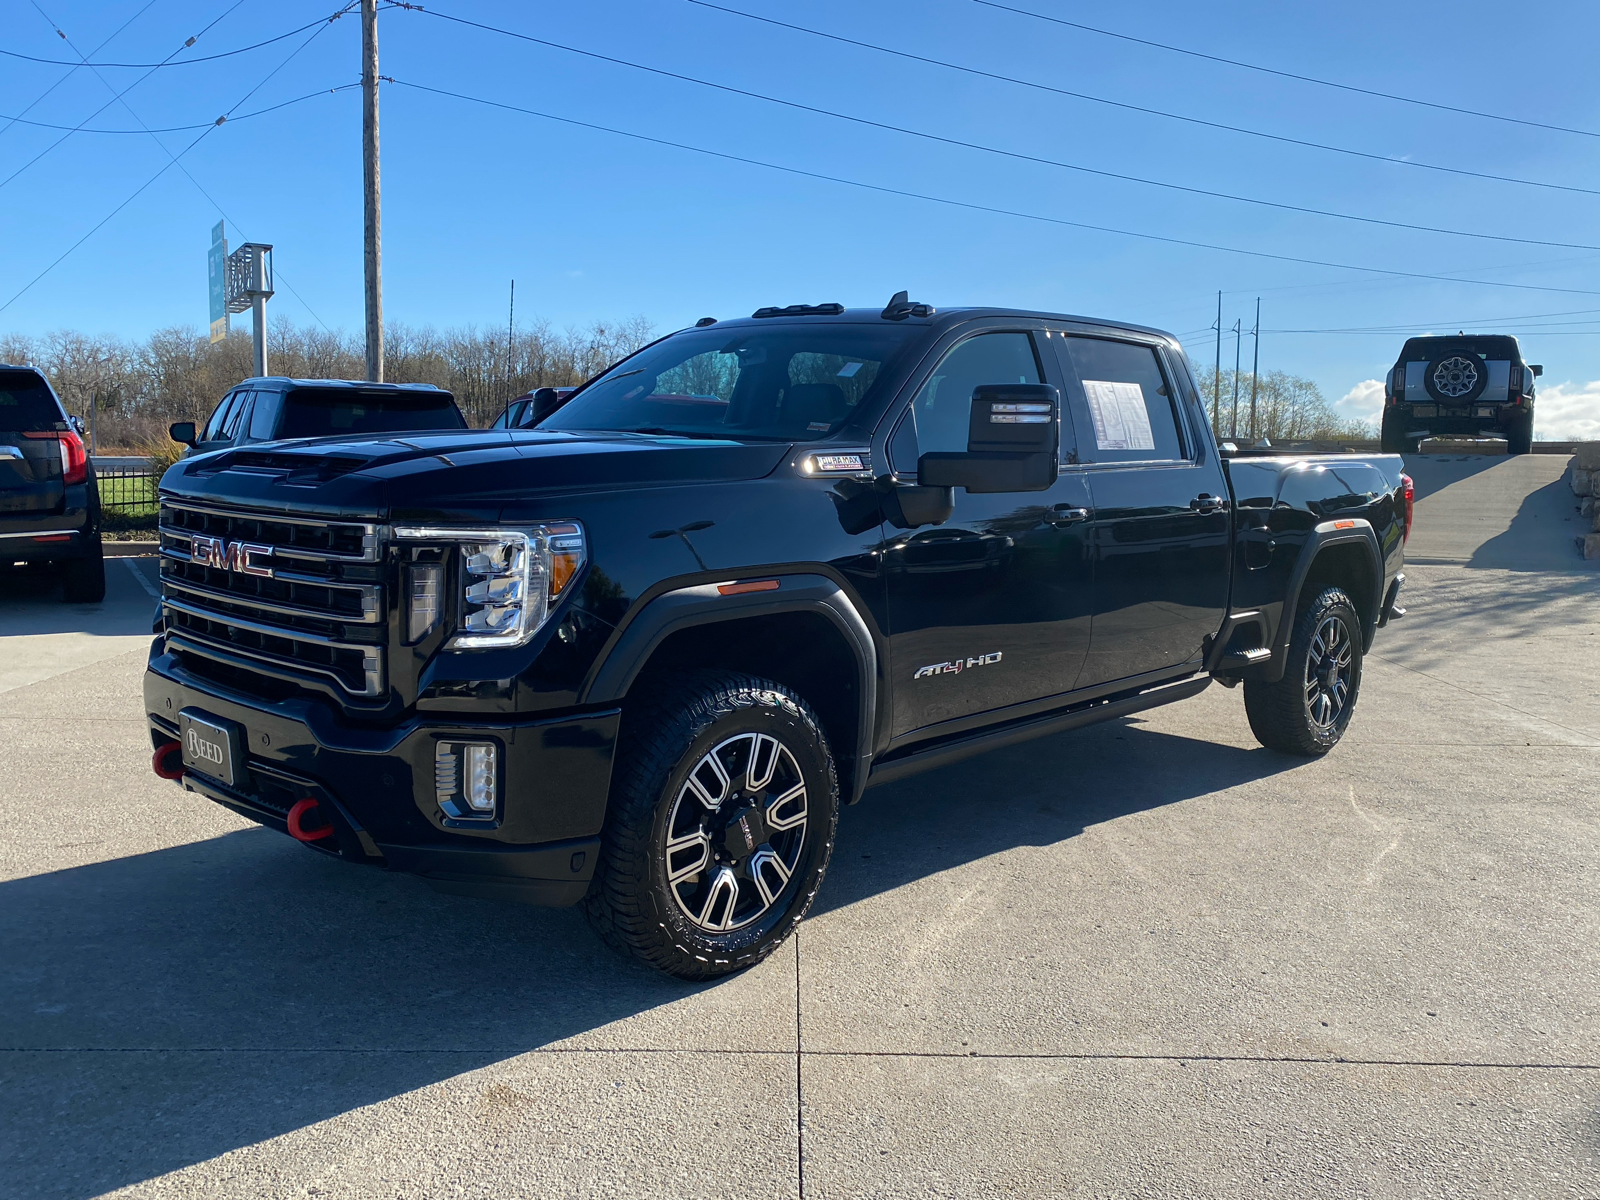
1512	513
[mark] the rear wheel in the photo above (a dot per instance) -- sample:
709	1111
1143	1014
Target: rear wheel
1393	433
84	579
1519	434
1307	711
722	819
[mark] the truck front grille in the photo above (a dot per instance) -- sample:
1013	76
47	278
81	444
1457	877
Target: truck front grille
293	596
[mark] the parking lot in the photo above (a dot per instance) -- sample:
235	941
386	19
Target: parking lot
1149	958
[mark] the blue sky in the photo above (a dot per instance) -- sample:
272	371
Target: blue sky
593	225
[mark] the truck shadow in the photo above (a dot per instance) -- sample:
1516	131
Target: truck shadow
1034	794
165	1008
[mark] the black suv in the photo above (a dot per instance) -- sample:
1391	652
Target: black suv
636	657
1472	384
49	500
274	407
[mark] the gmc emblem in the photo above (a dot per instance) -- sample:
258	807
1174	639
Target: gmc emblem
229	556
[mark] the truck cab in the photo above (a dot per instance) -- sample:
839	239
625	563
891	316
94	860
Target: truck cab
271	408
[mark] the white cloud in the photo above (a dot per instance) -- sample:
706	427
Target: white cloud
1364	402
1566	412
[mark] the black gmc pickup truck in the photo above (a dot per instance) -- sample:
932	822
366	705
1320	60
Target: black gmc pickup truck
637	656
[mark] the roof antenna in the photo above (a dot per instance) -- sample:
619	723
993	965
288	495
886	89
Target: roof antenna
901	306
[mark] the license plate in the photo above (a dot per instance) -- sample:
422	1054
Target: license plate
211	746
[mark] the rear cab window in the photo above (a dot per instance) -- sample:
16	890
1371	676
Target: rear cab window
334	412
1125	401
27	404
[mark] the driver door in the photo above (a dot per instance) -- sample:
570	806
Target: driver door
991	608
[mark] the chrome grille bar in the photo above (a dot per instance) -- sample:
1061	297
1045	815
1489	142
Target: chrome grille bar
310	620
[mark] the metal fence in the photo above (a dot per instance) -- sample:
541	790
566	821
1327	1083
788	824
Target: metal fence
127	490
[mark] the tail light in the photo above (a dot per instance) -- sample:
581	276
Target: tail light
1410	490
74	458
1394	385
1516	380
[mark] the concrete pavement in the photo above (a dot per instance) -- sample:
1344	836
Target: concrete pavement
1144	959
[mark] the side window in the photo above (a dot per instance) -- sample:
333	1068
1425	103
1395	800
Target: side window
264	416
1129	402
214	427
941	413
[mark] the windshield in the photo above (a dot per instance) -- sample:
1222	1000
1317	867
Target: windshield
318	412
26	405
789	382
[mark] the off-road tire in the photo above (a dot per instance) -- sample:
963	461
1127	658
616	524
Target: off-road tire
1519	434
665	733
1279	713
1393	433
83	580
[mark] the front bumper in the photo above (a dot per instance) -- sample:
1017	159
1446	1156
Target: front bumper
376	784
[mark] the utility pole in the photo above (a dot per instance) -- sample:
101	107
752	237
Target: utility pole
1216	378
1255	369
1238	336
372	251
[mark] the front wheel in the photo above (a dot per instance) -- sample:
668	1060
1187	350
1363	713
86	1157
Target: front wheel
723	813
1307	711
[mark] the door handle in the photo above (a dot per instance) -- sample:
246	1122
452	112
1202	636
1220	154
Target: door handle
1062	514
1205	502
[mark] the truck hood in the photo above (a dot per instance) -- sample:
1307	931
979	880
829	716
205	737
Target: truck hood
438	474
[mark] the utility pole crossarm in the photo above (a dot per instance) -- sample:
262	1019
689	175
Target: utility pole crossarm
372	250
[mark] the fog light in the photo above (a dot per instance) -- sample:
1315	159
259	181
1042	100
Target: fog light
464	778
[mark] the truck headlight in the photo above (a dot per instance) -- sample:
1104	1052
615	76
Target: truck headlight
508	579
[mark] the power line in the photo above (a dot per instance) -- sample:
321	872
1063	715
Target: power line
185	62
197	140
199	124
1329	83
40	97
1013	154
1139	108
187	43
986	208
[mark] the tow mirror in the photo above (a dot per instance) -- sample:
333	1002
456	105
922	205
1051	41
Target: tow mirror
545	401
1013	442
182	431
1536	369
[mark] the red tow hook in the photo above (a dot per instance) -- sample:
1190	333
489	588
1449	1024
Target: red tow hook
167	761
297	831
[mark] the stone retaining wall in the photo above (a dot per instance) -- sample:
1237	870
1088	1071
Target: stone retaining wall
1586	483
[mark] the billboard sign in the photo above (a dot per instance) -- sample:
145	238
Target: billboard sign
217	274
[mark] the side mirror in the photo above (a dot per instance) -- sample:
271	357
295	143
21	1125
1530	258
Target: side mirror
1013	442
545	401
1536	369
182	431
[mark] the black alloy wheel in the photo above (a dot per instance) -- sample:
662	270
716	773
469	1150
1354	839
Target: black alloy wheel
724	806
1307	711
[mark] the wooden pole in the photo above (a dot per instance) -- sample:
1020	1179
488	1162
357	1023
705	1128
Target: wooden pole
372	251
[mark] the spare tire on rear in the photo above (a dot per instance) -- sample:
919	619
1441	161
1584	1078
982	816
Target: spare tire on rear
1456	377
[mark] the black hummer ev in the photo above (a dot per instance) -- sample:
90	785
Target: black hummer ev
1471	385
637	656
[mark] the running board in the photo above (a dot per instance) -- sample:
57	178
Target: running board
1022	731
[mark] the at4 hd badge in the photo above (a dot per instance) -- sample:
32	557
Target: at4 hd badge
956	666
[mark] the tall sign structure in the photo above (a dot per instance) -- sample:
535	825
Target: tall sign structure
217	277
250	286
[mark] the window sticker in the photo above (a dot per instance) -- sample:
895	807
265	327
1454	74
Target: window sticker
849	369
1121	421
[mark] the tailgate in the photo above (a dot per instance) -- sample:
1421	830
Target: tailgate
30	474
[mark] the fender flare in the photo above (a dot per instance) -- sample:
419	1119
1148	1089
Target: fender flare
1328	533
703	604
